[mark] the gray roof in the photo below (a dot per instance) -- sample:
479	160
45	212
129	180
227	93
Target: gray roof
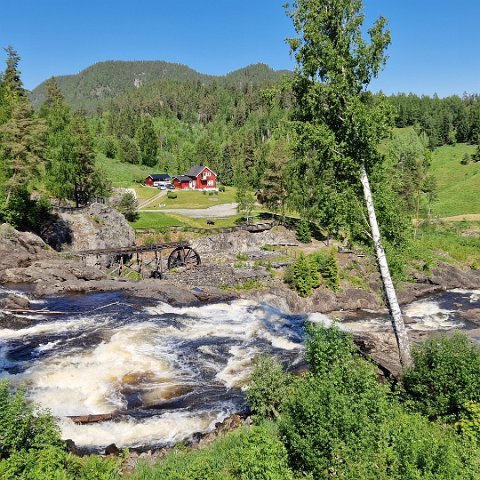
183	178
162	177
196	170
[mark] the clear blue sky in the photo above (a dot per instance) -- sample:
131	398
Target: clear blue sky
435	44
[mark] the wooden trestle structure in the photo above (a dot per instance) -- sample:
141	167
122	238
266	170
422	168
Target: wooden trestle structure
126	258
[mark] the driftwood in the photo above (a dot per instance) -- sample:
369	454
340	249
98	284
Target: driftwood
83	419
54	312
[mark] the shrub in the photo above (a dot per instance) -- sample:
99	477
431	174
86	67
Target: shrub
31	447
304	234
331	419
268	387
302	276
250	454
469	424
445	377
128	207
221	188
340	422
171	195
327	265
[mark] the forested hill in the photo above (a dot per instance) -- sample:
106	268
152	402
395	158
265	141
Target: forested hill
107	80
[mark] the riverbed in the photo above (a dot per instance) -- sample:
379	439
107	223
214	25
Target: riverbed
166	373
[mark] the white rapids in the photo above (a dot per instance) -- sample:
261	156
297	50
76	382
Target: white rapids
165	372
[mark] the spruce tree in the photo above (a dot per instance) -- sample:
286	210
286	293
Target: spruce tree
147	142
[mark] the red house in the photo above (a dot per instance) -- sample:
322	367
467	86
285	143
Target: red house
197	178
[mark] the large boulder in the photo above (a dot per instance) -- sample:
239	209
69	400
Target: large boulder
243	241
96	227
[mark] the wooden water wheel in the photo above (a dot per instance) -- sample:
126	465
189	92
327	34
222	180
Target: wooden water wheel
183	257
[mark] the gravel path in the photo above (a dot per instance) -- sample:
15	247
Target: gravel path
224	210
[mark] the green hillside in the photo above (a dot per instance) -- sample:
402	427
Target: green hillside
110	79
458	185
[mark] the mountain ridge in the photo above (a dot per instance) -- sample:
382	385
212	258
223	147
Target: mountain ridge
109	79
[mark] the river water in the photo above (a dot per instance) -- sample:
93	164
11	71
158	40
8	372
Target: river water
165	372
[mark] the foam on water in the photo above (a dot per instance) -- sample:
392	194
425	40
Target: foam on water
165	429
91	381
51	327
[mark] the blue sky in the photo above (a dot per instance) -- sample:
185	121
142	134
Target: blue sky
435	46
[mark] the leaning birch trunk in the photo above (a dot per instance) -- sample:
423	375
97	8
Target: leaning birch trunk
395	312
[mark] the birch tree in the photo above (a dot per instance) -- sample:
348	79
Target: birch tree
338	122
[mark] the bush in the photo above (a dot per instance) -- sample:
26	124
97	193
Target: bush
327	265
31	447
171	195
128	207
268	387
302	276
445	377
249	454
340	422
304	234
221	188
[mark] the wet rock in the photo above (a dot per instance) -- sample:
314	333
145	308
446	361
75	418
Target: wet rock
221	428
112	449
72	447
14	302
15	322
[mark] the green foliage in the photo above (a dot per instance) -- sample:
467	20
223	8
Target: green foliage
249	453
302	276
469	424
171	195
147	142
303	232
128	207
269	385
31	447
329	271
340	422
445	377
466	159
128	150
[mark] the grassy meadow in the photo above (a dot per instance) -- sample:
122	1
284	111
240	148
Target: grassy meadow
458	185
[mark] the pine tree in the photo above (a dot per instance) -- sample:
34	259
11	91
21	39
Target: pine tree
21	148
273	186
88	181
303	232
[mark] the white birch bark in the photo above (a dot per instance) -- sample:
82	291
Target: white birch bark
395	312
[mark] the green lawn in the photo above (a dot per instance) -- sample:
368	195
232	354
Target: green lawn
157	220
196	199
144	193
458	185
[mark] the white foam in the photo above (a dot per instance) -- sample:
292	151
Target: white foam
91	382
44	328
239	366
168	428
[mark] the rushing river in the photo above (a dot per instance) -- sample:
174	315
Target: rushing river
166	372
